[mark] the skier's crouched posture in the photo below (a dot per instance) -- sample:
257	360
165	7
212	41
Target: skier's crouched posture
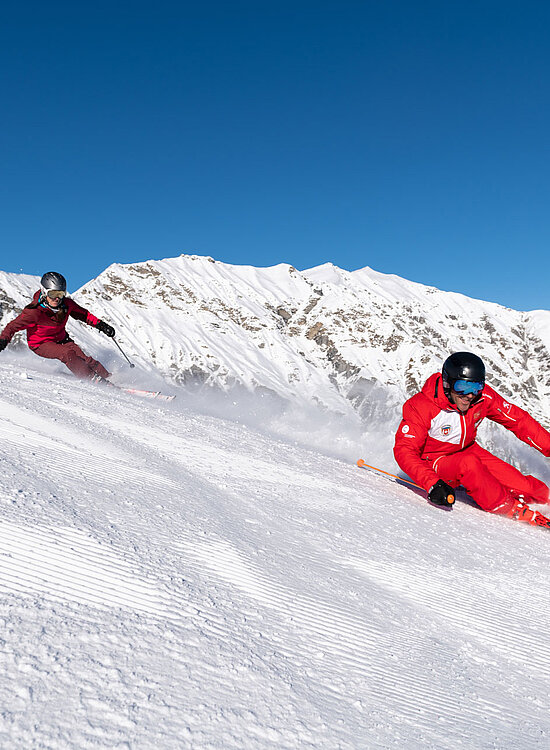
436	444
45	319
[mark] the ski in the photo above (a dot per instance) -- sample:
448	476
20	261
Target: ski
104	381
146	394
141	392
386	474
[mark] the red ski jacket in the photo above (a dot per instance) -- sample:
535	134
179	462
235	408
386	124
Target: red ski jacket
44	324
433	427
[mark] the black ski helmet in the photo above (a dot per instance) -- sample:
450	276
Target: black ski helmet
462	366
52	281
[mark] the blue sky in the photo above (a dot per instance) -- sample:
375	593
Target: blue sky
410	137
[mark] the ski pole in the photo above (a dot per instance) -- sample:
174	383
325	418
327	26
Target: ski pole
123	353
362	465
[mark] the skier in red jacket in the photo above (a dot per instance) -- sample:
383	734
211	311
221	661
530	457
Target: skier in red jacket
435	443
45	319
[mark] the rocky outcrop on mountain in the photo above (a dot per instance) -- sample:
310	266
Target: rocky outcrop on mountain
326	335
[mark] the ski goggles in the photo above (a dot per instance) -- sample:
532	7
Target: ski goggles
55	294
465	387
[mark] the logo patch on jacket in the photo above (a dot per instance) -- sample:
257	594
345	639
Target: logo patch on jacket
446	430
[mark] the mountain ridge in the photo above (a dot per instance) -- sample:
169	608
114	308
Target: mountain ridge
324	335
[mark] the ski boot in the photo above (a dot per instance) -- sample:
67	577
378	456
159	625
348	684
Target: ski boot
101	380
519	511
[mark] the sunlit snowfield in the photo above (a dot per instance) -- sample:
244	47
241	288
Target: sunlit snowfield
170	578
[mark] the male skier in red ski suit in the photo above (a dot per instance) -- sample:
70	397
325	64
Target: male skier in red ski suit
45	319
435	443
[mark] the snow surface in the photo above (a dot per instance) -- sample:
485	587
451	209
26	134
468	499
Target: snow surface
173	578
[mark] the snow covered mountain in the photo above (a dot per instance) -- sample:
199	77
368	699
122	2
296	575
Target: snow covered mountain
325	336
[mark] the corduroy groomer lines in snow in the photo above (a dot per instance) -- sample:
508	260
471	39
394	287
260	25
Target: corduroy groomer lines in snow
176	580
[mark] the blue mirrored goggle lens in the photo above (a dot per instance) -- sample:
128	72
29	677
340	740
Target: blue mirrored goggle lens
464	387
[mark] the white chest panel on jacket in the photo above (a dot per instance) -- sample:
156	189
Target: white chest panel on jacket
446	427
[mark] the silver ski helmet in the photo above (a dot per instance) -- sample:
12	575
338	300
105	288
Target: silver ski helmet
53	282
463	368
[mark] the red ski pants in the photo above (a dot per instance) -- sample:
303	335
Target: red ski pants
487	479
71	354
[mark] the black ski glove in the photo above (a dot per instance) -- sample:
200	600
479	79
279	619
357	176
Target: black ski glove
106	329
3	344
442	494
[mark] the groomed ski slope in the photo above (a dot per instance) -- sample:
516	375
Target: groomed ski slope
170	579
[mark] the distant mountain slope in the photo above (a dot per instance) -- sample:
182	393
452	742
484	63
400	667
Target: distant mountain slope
325	335
16	290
